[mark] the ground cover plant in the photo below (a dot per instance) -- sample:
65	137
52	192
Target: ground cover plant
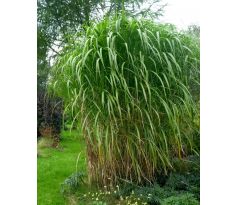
132	87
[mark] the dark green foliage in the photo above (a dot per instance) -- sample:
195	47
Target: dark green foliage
178	182
156	195
182	199
181	188
188	182
42	61
188	164
187	176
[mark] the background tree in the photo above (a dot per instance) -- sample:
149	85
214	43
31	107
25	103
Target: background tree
57	22
194	30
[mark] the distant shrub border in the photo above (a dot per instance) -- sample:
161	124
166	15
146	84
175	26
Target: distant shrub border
49	116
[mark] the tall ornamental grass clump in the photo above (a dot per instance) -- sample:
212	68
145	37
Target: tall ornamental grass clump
132	87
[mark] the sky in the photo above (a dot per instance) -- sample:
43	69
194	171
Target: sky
182	13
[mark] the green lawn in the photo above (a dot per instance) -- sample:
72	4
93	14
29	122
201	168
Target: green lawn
55	165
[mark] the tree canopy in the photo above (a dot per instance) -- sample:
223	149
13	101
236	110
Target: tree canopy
57	20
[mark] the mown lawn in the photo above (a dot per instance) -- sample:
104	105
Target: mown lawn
55	165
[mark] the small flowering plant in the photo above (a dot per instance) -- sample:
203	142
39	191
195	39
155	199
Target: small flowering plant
111	197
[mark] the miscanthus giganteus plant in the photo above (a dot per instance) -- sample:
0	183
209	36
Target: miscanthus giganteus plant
132	86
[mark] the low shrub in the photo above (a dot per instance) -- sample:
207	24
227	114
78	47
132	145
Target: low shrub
133	194
72	183
188	182
188	164
177	184
49	116
183	199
